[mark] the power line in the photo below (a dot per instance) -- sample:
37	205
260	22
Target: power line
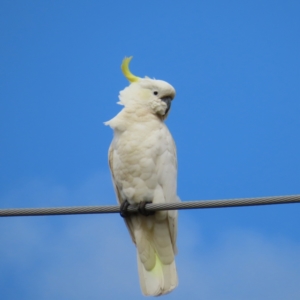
76	210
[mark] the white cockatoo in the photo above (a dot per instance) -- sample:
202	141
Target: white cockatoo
143	164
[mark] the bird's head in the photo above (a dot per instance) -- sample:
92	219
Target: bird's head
147	93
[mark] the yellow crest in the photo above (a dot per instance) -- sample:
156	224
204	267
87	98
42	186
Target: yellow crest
126	71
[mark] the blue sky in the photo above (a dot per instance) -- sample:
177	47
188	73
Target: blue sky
235	119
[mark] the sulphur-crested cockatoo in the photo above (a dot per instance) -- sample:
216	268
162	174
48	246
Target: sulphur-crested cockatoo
143	164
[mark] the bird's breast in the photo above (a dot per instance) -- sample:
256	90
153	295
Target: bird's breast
136	153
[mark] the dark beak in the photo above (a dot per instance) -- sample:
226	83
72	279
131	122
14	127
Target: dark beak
168	101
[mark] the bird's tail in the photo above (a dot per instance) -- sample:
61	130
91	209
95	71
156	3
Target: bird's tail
162	279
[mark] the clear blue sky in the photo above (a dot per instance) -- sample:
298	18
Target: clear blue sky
236	68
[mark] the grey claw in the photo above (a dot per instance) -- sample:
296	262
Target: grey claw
123	209
142	209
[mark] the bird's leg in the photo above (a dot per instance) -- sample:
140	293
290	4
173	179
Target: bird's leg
123	209
142	209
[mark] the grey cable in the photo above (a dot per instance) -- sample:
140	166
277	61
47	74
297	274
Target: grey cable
76	210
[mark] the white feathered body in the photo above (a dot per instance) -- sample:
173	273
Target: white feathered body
143	163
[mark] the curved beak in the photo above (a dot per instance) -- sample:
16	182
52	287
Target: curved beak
168	101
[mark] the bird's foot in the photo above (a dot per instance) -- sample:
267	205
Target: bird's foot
123	209
142	209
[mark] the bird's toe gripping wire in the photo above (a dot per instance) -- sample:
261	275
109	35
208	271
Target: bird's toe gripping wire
142	209
123	209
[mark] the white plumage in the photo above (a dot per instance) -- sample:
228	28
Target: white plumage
143	163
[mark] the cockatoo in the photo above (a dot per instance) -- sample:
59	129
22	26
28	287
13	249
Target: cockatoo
143	164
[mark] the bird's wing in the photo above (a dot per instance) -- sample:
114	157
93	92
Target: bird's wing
168	180
128	221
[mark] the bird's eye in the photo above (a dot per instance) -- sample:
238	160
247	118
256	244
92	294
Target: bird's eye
155	93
